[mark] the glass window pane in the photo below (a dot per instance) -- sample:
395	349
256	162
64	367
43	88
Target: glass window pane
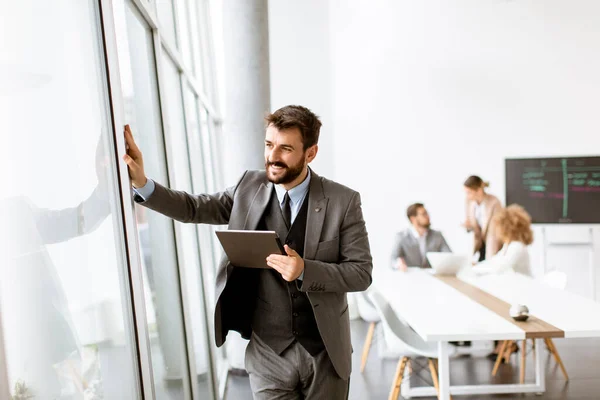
213	142
189	256
215	131
63	276
166	19
207	150
155	232
199	185
206	235
175	123
207	49
196	40
217	61
183	17
195	142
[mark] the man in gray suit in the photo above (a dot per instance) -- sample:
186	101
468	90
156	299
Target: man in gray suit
412	244
295	313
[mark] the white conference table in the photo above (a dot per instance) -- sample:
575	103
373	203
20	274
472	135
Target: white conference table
440	313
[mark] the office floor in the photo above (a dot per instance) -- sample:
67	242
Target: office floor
580	356
117	384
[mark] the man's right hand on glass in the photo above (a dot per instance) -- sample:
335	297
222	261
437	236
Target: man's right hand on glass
134	160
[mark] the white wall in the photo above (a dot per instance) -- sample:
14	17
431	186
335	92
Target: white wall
300	62
429	92
422	94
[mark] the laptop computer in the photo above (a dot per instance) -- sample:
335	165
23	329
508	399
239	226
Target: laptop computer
447	263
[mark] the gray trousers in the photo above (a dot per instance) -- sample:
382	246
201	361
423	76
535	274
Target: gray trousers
294	374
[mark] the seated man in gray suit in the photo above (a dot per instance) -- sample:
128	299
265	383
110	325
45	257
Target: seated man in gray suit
412	244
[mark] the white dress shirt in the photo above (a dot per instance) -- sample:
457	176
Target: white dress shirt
480	214
512	256
422	239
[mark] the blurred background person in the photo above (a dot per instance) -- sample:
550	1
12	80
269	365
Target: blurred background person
513	228
480	210
412	244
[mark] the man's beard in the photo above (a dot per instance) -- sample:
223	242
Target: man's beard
289	173
426	226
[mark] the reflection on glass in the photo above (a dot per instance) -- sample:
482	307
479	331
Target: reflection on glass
62	285
155	232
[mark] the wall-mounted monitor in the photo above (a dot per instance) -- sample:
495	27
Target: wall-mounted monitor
556	190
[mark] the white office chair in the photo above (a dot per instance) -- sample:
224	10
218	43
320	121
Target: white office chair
405	340
556	280
369	313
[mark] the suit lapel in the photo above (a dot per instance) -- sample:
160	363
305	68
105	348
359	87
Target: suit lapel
258	206
317	209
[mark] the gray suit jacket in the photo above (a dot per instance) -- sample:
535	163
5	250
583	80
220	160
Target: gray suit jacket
337	256
407	246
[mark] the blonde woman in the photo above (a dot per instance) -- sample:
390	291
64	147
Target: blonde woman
512	226
480	209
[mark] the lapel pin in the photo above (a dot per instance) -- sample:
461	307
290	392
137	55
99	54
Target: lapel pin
318	209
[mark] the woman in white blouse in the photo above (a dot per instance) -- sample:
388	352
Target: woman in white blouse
513	227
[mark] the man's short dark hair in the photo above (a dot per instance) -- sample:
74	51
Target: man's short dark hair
413	210
297	117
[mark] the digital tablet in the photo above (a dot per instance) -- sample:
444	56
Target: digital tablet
250	249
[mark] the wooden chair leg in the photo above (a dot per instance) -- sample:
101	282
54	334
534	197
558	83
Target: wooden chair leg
434	377
533	349
523	354
367	346
508	351
433	368
554	352
395	390
500	356
401	378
